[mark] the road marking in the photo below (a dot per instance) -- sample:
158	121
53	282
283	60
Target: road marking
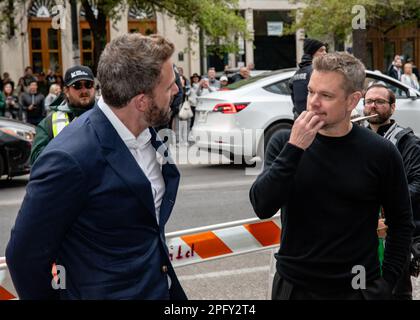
227	273
201	186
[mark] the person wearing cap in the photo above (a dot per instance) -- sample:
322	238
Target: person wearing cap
223	82
77	97
299	82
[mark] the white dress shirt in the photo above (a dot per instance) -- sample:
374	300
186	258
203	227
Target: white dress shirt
143	152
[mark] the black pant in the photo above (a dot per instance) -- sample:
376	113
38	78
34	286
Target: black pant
403	290
284	290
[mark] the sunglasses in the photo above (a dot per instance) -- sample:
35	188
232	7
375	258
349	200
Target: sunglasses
80	84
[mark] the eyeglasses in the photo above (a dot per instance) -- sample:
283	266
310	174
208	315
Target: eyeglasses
377	102
80	84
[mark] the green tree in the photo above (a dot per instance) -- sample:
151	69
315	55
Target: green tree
321	18
219	20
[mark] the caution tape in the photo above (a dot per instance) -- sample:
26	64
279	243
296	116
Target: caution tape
198	245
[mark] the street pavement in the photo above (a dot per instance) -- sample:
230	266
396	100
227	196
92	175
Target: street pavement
211	191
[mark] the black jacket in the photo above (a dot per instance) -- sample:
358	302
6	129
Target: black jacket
409	146
299	84
35	115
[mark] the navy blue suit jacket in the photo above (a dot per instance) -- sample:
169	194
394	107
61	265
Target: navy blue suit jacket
89	208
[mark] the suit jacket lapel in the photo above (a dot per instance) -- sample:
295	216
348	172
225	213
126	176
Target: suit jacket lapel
121	160
170	175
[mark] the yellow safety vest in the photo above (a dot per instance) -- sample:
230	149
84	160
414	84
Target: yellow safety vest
60	120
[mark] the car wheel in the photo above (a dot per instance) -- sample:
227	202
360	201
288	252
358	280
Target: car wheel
269	133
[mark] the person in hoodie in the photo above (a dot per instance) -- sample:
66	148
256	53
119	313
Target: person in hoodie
299	82
78	96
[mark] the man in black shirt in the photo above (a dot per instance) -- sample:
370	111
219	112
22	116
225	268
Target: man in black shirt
298	84
380	100
330	178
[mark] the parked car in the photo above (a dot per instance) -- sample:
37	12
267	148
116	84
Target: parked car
239	121
15	147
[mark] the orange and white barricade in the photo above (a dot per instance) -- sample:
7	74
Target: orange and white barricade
223	240
199	245
7	291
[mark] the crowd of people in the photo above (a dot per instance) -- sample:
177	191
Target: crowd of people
102	190
29	100
404	71
197	86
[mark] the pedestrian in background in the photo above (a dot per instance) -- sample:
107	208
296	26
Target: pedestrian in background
395	70
77	98
53	93
32	104
330	178
13	108
26	80
98	198
195	85
243	74
408	77
298	84
380	100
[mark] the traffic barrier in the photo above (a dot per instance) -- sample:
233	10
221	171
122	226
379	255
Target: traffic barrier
7	291
199	245
222	240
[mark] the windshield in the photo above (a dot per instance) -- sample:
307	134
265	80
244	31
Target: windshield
250	80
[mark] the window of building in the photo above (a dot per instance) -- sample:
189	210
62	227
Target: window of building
142	20
44	40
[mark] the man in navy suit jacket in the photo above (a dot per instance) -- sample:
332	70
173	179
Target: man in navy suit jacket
98	198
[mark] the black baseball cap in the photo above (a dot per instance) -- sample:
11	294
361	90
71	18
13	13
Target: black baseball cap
77	73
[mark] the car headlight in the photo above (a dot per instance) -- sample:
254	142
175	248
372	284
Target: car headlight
23	134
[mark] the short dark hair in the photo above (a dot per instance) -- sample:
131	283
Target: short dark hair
131	64
391	94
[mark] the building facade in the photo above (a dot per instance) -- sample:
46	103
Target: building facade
45	42
41	43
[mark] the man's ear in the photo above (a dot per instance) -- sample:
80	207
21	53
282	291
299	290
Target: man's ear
393	107
141	101
353	100
66	91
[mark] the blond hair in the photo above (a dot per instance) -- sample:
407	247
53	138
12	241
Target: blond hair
346	64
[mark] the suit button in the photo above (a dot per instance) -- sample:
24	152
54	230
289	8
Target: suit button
165	269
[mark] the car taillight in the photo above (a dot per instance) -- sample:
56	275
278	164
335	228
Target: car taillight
230	107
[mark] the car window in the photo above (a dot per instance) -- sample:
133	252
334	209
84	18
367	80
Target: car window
281	87
400	91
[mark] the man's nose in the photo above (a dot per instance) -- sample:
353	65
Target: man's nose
313	101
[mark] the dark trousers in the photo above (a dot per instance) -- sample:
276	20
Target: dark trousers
284	290
403	290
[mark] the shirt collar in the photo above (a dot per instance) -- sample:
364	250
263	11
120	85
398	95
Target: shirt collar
129	139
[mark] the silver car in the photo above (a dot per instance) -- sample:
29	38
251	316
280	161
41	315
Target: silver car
239	121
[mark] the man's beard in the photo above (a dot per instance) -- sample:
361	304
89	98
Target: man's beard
75	103
380	118
156	116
